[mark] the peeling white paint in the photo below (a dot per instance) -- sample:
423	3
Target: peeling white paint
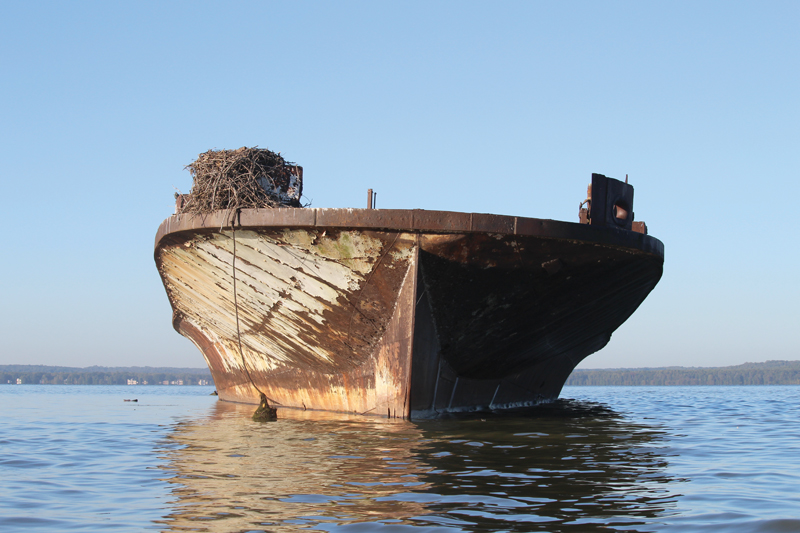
285	283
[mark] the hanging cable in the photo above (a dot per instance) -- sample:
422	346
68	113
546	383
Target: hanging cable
264	407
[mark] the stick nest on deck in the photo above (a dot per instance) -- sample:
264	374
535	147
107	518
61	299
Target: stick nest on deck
243	178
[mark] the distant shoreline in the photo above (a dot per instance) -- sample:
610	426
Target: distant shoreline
101	375
767	373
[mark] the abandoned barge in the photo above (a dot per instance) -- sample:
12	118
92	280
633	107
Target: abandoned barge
403	313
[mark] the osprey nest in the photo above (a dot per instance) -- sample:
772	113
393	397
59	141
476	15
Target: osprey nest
243	178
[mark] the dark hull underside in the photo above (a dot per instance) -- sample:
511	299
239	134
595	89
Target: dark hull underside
399	313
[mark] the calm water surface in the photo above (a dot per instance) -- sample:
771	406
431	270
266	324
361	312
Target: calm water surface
602	459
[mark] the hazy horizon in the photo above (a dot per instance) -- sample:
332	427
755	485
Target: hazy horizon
579	368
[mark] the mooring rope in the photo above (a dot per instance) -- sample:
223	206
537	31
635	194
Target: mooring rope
236	309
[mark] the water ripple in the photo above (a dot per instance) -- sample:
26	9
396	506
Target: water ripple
609	459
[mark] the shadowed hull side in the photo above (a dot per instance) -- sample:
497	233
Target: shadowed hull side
504	332
398	313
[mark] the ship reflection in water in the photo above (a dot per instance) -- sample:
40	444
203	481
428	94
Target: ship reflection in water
563	467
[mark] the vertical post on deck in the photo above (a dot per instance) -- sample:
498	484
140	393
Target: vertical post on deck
369	198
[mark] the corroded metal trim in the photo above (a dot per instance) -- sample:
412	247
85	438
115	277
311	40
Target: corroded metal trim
411	220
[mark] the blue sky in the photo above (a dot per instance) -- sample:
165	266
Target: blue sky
498	107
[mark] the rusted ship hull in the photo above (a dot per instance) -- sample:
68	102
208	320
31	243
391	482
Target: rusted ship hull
398	313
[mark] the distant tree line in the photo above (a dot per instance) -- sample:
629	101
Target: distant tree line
48	375
769	373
